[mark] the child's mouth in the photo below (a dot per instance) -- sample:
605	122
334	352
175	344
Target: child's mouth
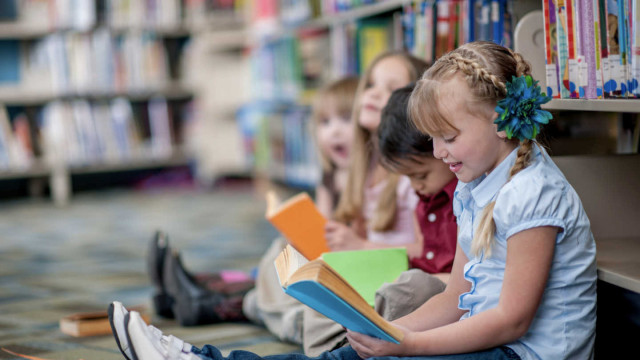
455	167
340	150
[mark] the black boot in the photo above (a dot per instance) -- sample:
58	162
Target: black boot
158	251
193	304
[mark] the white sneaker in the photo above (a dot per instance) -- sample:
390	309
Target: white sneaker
148	343
117	313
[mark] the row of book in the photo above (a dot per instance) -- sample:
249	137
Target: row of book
277	142
98	61
592	48
80	132
87	14
432	28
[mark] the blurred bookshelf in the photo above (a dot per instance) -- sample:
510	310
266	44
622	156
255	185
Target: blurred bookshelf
101	86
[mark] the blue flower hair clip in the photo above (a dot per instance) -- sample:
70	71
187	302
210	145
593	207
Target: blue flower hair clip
520	114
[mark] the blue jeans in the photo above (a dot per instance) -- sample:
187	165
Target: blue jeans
347	353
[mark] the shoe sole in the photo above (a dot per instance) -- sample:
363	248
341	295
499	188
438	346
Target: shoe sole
115	333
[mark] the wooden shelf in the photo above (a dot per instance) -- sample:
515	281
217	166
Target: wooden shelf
605	105
618	262
36	170
20	96
177	159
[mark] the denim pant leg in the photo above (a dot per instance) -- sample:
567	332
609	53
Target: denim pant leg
209	352
497	353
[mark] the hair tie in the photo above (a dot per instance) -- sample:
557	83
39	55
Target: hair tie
520	112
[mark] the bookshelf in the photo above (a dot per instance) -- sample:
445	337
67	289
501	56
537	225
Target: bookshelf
114	61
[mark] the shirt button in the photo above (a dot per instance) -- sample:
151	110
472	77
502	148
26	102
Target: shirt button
429	255
431	217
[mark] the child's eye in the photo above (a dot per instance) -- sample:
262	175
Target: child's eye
324	121
420	176
449	140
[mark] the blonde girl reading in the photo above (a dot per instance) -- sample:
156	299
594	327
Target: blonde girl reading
523	284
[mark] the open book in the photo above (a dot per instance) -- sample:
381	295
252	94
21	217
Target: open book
318	285
301	223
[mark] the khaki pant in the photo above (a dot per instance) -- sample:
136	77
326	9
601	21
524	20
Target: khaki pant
294	322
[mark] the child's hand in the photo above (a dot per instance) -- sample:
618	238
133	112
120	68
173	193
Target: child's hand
368	347
341	237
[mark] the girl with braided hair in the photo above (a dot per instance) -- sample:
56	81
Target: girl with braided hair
523	282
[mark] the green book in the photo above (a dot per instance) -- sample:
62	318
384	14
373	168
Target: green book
367	270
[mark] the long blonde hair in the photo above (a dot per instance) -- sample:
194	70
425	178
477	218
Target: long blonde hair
486	67
335	97
363	152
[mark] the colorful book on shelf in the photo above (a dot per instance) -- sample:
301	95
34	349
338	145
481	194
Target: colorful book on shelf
372	38
635	49
318	285
614	47
604	52
573	48
563	49
551	48
588	65
300	222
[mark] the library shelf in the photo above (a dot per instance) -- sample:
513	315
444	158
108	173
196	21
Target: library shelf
177	158
604	105
36	170
618	262
20	96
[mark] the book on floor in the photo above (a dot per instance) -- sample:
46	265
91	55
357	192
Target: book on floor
300	222
321	287
92	323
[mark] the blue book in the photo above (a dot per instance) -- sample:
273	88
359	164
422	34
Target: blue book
9	62
497	20
320	286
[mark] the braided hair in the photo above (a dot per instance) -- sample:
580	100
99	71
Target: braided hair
485	67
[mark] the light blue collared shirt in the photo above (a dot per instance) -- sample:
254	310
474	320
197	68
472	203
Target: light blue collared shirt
539	195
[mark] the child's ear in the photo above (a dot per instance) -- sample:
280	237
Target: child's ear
501	134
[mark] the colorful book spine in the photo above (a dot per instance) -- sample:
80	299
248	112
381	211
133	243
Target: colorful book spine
551	52
573	47
623	39
588	88
497	18
563	49
613	47
604	53
442	27
635	49
484	20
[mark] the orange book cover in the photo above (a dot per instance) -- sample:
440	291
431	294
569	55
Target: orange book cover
300	222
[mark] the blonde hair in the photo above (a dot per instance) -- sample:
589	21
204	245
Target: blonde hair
486	67
335	97
363	152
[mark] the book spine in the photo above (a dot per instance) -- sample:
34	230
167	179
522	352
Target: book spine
485	26
551	63
623	38
563	50
635	49
442	27
574	49
604	52
588	88
497	18
613	47
471	16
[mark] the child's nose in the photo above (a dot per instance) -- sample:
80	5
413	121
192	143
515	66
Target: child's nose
438	149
